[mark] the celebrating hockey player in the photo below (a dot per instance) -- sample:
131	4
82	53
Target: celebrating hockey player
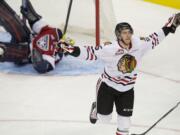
44	49
116	83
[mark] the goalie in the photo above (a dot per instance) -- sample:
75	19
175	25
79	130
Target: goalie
43	49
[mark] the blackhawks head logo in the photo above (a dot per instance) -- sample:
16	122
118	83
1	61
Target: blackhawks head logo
127	63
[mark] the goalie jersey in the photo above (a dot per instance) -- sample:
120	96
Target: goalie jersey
45	42
112	55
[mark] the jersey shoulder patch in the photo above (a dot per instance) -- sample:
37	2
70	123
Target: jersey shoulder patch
146	39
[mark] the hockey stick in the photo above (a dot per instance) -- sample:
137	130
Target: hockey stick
67	17
144	133
65	27
24	5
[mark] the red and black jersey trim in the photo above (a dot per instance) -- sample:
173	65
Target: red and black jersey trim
128	77
123	81
155	39
91	53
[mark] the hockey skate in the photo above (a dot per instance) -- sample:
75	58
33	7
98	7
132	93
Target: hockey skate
93	113
118	132
30	14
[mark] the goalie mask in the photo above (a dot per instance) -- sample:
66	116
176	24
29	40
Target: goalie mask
122	26
127	64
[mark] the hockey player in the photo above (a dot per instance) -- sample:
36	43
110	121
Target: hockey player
46	47
116	83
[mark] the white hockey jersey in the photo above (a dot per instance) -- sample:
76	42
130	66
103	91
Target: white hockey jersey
111	54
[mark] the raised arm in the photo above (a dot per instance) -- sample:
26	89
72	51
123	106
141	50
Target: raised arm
155	38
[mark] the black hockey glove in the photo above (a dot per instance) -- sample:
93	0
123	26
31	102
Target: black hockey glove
172	24
67	45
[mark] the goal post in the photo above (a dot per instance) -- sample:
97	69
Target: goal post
93	18
97	14
107	19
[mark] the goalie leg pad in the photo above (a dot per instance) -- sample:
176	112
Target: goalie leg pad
17	53
13	24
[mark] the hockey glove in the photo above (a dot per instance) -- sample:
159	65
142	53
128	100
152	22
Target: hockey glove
66	44
67	40
173	23
70	50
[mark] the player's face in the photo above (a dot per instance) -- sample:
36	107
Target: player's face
126	36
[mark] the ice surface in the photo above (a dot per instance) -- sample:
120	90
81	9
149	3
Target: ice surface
59	102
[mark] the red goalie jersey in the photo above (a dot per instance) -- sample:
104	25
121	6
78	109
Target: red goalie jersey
44	51
45	42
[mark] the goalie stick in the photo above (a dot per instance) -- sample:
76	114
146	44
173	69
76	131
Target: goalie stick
67	17
24	5
144	133
65	27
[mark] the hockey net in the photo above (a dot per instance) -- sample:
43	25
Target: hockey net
87	14
83	17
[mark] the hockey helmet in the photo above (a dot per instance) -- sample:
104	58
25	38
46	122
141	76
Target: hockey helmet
122	26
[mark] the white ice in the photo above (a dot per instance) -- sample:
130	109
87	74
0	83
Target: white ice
58	103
